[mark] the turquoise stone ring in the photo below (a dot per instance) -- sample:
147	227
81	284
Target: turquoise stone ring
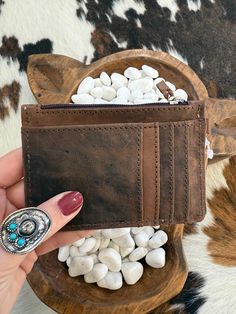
22	231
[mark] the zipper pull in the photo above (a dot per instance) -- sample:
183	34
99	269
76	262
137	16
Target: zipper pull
178	102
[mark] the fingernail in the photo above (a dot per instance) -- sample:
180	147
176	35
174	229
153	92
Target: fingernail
70	202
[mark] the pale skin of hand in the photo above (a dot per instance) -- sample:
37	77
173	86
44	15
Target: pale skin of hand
14	268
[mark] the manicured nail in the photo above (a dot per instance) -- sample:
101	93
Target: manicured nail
70	202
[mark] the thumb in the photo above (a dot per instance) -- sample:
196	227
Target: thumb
60	209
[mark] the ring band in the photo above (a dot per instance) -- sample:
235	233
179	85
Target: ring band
23	230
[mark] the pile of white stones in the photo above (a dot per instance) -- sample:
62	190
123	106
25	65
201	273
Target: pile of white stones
108	254
136	86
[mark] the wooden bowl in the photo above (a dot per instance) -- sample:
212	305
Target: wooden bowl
53	79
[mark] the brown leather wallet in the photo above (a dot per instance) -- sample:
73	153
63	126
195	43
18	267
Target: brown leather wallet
135	165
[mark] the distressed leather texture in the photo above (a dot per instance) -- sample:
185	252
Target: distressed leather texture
135	165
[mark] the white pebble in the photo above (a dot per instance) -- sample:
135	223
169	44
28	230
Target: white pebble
163	100
143	101
80	265
105	79
124	241
97	82
119	78
150	95
63	253
95	258
79	242
150	71
132	272
180	94
112	281
136	94
68	261
98	272
119	100
96	246
149	231
132	73
111	258
82	99
159	238
156	227
143	74
114	246
159	93
125	260
97	92
99	101
114	233
118	85
74	251
143	84
136	230
88	245
108	93
158	80
86	85
104	243
97	234
124	251
141	239
171	86
123	92
138	253
156	258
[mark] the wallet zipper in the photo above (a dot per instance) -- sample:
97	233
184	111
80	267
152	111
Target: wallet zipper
78	106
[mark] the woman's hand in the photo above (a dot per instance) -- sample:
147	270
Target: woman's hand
61	209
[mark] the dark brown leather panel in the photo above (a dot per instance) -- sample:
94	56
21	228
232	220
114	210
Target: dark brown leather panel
102	162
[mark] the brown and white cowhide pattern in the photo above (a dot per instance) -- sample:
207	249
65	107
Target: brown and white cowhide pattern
201	33
210	249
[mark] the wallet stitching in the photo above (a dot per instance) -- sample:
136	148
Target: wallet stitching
138	177
156	174
187	124
81	129
88	111
28	167
189	185
171	145
200	163
186	173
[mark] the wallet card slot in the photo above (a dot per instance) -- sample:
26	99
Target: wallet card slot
174	203
182	153
103	162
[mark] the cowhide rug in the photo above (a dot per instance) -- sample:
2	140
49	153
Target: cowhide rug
201	33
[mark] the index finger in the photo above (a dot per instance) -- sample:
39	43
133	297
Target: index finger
11	168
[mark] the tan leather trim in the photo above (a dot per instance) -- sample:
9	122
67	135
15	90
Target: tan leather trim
151	173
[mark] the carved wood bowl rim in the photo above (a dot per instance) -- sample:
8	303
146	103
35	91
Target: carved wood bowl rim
48	270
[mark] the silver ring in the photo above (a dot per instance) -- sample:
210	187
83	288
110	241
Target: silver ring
22	231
